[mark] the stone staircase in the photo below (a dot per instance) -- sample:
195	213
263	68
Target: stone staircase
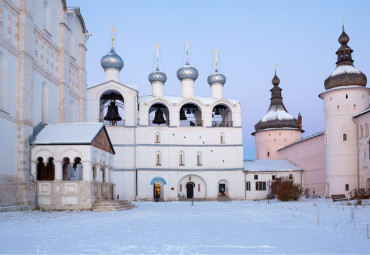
112	205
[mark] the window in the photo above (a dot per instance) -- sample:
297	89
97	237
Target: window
256	177
158	159
268	154
290	176
346	96
181	159
157	140
347	187
338	108
248	186
180	187
260	185
199	159
198	187
344	137
222	138
273	177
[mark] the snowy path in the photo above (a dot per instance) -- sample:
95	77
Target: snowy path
206	227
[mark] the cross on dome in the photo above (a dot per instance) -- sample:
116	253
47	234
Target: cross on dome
113	32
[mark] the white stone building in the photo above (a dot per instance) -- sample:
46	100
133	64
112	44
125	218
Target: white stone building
170	147
42	80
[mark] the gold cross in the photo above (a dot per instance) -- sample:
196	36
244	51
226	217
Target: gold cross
216	51
343	20
187	51
157	47
113	31
275	67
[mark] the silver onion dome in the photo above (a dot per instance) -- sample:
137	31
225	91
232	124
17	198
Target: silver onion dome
112	60
157	75
187	71
216	77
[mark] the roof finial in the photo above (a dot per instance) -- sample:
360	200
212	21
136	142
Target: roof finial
157	47
187	52
343	22
216	51
113	32
275	68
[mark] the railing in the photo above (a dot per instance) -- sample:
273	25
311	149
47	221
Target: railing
360	193
191	123
222	123
108	123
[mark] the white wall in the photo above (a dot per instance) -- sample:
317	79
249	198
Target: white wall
8	148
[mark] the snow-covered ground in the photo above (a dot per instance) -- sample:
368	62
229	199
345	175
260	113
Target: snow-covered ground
205	227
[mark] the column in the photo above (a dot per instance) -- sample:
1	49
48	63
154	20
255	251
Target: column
58	170
87	171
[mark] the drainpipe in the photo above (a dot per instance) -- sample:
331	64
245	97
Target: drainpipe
245	185
33	177
358	155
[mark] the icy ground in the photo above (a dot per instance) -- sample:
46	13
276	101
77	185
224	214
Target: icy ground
205	227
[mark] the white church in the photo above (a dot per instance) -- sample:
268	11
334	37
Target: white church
66	146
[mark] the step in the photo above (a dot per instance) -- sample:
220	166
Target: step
112	205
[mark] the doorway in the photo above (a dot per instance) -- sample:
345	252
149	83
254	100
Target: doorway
222	189
157	191
190	190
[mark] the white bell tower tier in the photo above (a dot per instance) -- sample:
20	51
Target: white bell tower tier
345	96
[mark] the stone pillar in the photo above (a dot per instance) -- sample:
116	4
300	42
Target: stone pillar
58	170
87	171
33	169
106	173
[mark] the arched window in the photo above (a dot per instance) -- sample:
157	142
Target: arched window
338	109
181	158
76	173
3	81
46	15
40	169
190	116
222	138
67	169
158	159
199	159
44	103
221	116
159	115
112	108
157	138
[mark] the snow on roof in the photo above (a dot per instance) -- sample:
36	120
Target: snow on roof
303	139
68	133
177	99
277	113
363	112
270	165
344	69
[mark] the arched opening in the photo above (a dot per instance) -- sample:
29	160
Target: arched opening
44	103
112	108
190	116
190	189
67	169
223	188
76	171
50	170
221	116
159	115
3	81
40	169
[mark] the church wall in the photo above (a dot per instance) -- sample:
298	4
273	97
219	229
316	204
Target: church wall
363	124
310	156
8	148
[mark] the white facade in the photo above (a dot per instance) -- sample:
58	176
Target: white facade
203	152
342	159
43	80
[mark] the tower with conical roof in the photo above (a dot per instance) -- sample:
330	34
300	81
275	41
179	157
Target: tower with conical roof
345	96
277	128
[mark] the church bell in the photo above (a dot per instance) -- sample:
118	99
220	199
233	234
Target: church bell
158	118
182	115
217	112
112	113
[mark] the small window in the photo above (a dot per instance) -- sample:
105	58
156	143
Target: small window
248	186
344	137
222	138
347	187
256	177
158	159
338	108
199	160
181	159
273	177
268	154
290	176
198	187
260	186
157	140
346	96
180	187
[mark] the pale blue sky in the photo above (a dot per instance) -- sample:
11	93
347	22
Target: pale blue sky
299	36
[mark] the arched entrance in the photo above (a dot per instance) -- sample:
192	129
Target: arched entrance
157	191
190	190
158	188
221	116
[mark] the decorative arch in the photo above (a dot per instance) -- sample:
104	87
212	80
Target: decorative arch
46	154
158	178
71	154
190	115
199	187
159	114
111	108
